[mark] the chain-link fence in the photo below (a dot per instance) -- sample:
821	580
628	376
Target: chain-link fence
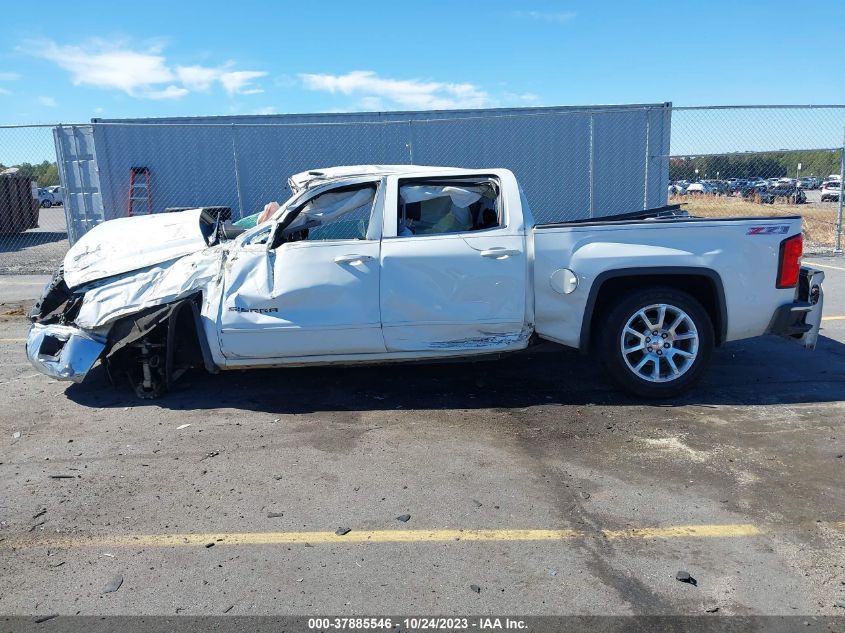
762	160
572	162
33	232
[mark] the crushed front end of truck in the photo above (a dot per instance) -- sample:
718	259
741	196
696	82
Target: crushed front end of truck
54	345
131	296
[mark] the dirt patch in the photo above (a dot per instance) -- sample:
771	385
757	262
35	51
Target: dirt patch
12	311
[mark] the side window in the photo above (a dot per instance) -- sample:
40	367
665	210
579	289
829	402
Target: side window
259	237
337	215
432	208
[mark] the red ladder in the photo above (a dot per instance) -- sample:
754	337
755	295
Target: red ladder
139	191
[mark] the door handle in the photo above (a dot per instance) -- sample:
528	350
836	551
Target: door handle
499	253
351	259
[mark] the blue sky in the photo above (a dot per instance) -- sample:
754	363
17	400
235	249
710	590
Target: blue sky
63	61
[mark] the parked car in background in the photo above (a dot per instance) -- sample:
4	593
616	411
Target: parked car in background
787	192
677	189
702	188
739	184
45	199
808	182
49	196
831	190
754	189
56	192
721	186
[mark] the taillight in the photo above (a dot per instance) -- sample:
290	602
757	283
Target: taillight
789	261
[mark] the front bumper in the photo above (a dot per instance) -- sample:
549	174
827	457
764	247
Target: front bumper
800	320
63	352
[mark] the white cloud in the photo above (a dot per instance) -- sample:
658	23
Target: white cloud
265	110
144	73
557	17
170	92
201	78
237	82
103	66
379	91
197	77
49	102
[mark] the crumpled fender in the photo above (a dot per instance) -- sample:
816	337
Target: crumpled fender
157	285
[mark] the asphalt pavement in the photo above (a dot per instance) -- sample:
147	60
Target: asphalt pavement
523	486
16	289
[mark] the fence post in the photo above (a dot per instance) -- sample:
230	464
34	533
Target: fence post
410	142
237	162
647	151
592	159
838	248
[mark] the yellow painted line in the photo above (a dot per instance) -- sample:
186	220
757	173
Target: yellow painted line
833	318
824	266
370	536
685	531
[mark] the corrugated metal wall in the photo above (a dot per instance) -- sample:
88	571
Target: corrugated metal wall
77	163
573	162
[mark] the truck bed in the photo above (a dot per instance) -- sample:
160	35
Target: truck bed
734	258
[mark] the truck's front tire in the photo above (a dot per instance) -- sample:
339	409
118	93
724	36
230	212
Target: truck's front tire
656	343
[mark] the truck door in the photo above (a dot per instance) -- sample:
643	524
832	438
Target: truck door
315	293
454	266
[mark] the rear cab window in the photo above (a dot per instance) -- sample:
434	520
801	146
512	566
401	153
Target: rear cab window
444	206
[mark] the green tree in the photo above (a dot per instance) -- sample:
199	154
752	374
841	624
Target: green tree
45	174
49	177
818	163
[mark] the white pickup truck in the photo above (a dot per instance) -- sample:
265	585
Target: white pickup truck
374	264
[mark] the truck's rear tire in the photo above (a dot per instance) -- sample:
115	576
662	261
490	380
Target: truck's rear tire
656	343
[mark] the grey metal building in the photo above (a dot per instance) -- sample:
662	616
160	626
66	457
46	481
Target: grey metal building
573	162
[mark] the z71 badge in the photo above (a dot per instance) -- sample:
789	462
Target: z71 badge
768	230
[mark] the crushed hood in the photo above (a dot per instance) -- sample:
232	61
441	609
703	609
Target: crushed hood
127	244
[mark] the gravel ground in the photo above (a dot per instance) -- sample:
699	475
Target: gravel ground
38	250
